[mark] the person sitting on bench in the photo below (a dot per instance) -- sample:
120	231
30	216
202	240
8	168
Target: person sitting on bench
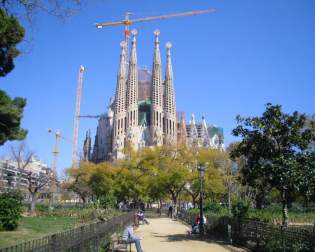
140	216
130	237
195	226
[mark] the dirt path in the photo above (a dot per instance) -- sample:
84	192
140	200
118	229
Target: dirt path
166	235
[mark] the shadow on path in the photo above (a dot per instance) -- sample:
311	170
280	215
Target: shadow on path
186	237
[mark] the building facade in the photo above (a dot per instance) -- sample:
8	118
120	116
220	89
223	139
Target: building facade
143	110
13	177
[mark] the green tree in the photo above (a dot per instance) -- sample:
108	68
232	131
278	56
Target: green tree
193	188
173	170
131	175
156	189
11	114
10	209
11	110
100	180
11	33
79	182
306	163
272	146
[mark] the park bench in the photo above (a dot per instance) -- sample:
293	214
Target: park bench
118	244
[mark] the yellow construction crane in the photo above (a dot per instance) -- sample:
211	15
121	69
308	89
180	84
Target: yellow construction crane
53	178
54	175
127	21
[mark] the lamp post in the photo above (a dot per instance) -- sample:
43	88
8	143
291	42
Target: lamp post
201	171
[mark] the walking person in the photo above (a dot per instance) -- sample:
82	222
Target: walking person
130	237
170	211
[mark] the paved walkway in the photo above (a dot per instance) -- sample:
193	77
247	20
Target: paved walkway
166	235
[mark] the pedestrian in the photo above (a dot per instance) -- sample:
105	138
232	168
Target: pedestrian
170	211
130	237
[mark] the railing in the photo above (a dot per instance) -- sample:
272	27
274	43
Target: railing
257	235
270	237
91	237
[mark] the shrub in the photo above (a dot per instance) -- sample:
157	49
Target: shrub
10	209
107	201
41	208
214	207
194	210
240	209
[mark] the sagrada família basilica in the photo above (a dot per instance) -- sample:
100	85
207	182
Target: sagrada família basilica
143	111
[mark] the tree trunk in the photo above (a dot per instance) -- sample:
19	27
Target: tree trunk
307	200
174	199
83	199
33	202
285	218
229	200
160	207
179	204
194	197
260	199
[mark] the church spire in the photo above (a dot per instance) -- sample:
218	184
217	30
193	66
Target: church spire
87	147
156	94
204	135
132	92
120	104
120	99
169	101
170	106
182	132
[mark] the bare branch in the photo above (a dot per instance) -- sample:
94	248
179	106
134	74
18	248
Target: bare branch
21	155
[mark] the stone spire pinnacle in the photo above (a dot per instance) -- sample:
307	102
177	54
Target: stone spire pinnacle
87	147
169	86
133	53
182	131
204	123
157	95
204	133
193	120
132	93
120	100
169	67
157	55
120	104
169	98
132	82
193	131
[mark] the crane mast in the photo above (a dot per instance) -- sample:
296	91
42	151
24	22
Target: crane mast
53	177
77	118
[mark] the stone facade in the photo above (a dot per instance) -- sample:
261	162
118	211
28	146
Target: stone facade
143	112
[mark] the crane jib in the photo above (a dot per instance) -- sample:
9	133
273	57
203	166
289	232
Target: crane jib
128	22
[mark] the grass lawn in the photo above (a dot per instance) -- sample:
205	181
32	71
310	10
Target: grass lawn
35	227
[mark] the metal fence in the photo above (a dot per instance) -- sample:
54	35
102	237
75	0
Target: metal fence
264	236
92	237
257	235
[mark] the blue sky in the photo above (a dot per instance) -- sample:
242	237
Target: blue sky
232	62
